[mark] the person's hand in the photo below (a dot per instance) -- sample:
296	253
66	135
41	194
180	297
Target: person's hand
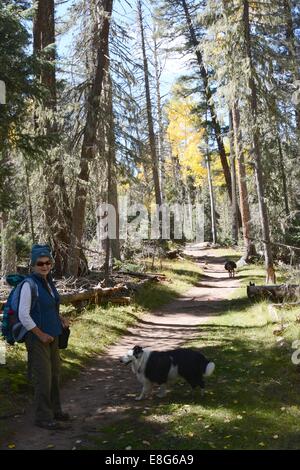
45	338
65	322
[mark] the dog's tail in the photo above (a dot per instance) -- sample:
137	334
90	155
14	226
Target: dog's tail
209	369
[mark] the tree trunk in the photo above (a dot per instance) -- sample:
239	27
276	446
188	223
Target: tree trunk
294	57
242	183
256	148
283	177
43	36
212	201
8	245
235	228
160	140
152	143
215	123
89	142
56	201
178	179
31	223
112	188
113	200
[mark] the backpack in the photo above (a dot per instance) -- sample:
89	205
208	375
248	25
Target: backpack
11	328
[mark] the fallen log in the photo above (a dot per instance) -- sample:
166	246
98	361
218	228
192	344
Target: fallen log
92	294
277	293
96	294
152	277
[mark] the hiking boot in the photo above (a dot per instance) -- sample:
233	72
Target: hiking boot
62	416
51	425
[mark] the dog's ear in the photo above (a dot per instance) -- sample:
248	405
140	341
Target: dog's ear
137	351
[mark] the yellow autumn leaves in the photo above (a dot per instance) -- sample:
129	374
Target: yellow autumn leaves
186	136
187	139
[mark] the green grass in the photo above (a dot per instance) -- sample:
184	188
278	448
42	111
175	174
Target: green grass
256	273
252	401
180	276
91	332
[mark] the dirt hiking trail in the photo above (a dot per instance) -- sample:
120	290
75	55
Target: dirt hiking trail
106	389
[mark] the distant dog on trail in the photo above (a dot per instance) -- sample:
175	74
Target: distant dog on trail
161	367
230	266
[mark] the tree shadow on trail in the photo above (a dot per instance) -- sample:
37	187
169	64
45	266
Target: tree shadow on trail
244	400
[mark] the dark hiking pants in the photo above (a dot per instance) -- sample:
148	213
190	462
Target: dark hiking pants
44	372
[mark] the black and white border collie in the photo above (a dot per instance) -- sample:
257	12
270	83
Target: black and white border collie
161	367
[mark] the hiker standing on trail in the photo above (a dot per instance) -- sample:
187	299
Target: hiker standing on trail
44	325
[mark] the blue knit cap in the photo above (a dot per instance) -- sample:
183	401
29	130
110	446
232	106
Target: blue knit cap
37	251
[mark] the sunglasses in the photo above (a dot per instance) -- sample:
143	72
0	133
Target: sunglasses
42	263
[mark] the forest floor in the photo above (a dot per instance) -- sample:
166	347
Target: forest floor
249	402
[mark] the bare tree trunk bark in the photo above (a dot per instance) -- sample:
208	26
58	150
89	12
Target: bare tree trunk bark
89	142
8	245
31	223
242	183
56	201
212	201
43	36
263	212
215	123
283	177
177	177
8	226
112	193
294	56
235	228
152	143
161	156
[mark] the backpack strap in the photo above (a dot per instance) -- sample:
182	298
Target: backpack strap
34	296
34	292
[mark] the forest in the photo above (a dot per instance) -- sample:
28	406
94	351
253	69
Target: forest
98	107
153	145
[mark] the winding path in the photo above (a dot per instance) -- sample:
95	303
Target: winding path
106	388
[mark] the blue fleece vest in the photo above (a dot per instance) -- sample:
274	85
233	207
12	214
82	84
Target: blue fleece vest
45	313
